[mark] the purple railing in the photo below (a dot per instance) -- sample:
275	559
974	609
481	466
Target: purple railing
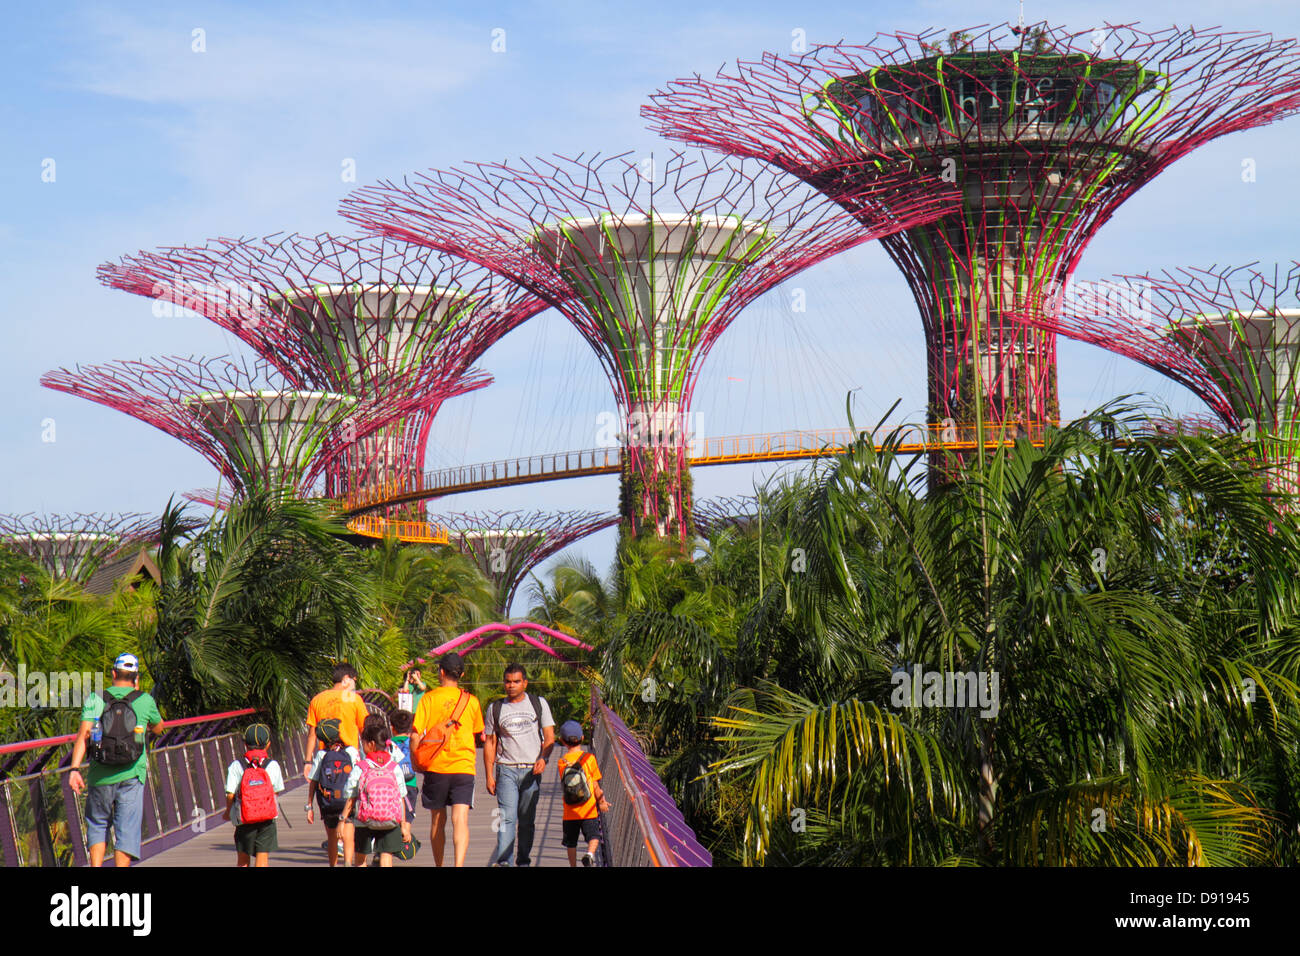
42	821
643	826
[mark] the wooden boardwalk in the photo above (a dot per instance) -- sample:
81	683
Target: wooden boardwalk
300	844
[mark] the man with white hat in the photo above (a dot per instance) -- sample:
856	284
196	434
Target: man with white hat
114	723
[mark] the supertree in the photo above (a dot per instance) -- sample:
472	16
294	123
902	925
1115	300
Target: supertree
508	545
1229	334
726	511
1044	131
371	319
74	545
258	433
650	260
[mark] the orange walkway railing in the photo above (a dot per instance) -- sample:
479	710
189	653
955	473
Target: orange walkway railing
733	449
412	532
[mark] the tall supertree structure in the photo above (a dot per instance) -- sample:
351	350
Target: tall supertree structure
1045	132
258	433
508	545
1231	335
371	319
74	545
650	260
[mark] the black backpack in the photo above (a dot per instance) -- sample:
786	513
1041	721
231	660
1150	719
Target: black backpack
574	783
118	746
335	768
537	709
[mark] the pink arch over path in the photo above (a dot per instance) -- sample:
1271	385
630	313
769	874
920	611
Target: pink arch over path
482	636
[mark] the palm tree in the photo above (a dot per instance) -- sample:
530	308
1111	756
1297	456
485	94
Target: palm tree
579	601
1146	670
254	609
51	625
428	596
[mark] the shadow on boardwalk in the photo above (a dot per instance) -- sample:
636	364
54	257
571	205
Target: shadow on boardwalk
300	844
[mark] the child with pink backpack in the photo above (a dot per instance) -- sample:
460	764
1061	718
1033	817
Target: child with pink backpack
377	791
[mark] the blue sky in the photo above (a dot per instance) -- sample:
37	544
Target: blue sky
156	144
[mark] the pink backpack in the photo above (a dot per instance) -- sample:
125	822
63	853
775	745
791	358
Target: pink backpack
379	796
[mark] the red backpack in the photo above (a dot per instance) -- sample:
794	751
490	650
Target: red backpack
379	796
256	793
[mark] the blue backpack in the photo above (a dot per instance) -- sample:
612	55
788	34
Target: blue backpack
404	758
335	768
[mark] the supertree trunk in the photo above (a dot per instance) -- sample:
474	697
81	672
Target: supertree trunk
650	260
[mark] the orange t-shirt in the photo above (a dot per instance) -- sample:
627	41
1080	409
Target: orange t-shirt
583	811
341	704
435	709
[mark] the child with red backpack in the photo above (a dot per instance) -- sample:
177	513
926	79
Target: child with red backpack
377	792
252	781
331	768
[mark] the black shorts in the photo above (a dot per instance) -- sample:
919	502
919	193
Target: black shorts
367	842
447	789
253	838
331	817
590	830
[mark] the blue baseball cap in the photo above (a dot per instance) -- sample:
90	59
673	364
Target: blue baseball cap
127	662
570	729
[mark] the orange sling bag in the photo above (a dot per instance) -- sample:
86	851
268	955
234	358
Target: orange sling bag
429	747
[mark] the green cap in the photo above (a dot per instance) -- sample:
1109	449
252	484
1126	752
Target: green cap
257	736
327	731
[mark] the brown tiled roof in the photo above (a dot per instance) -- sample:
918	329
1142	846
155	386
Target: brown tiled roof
129	565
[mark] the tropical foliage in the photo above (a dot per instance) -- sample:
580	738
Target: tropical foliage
50	625
1084	653
1125	613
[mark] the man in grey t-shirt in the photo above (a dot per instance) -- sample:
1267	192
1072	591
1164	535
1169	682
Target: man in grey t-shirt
518	734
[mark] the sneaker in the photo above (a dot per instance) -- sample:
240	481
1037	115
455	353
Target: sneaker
587	858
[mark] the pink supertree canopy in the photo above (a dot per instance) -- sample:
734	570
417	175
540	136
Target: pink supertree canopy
370	318
74	545
260	432
1045	132
508	545
1229	334
650	258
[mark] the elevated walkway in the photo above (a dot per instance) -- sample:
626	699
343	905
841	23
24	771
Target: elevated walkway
729	450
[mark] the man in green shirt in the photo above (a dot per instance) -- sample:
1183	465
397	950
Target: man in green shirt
115	790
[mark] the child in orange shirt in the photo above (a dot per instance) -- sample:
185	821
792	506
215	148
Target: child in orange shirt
584	799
